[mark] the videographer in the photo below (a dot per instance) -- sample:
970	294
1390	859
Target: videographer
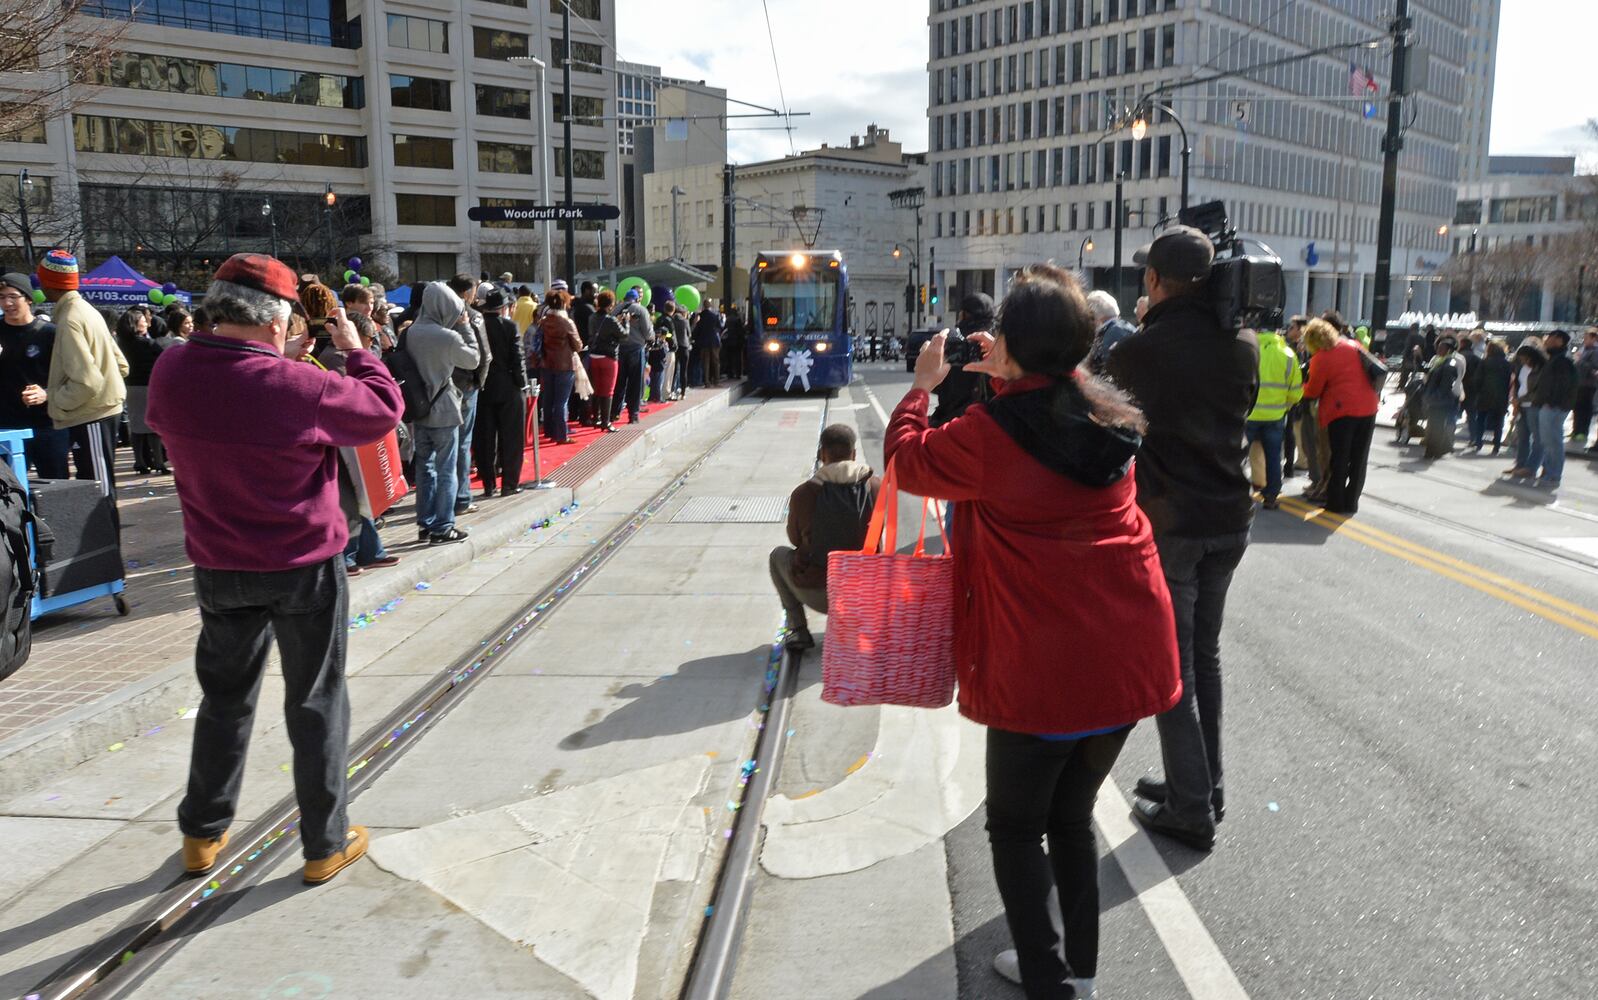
1196	383
1058	672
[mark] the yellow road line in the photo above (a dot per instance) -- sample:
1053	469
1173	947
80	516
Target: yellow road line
1538	602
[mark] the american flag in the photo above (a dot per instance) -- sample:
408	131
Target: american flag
1360	82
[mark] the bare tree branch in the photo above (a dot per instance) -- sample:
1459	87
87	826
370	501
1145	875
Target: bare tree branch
41	76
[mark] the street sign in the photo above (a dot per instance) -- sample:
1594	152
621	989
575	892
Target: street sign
544	213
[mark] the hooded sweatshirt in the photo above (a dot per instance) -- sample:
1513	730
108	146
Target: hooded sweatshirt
1062	619
809	564
438	347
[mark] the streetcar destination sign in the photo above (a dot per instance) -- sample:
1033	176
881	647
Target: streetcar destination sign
543	213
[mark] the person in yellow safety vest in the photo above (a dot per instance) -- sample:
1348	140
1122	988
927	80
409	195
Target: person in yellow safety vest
1363	335
1281	386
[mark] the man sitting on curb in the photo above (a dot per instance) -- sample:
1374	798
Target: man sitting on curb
827	513
255	437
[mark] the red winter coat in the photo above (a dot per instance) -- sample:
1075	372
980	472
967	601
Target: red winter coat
1062	619
1337	379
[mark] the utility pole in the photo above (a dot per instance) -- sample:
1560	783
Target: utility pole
566	87
1120	224
329	199
1473	305
932	278
25	188
1391	145
728	251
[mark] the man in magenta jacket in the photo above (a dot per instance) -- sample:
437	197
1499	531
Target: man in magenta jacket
255	437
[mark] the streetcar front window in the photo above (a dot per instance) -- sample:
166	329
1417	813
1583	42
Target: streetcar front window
802	306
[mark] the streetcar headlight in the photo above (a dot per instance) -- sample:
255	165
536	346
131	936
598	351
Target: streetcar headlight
773	346
821	347
798	260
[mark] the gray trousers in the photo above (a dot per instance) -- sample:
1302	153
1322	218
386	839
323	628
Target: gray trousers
794	598
306	610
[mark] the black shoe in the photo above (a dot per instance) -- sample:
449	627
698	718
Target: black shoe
799	638
488	493
1153	816
423	534
448	537
1153	789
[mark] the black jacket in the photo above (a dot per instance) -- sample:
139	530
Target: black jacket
1556	386
507	371
1196	384
1492	388
960	388
607	336
582	314
141	353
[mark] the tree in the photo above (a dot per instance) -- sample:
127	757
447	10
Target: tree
54	219
41	70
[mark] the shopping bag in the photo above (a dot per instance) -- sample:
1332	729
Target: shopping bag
890	617
379	474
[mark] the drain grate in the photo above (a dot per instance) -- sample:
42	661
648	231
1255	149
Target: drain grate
733	510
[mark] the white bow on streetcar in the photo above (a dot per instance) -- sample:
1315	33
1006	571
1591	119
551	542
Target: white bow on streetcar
799	363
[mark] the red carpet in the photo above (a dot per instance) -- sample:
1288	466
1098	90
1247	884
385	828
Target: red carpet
553	456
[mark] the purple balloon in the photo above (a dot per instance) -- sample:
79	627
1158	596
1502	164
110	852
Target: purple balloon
355	263
168	288
34	279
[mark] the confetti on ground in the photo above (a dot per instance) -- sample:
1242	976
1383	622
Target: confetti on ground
1273	807
790	732
424	585
368	618
857	765
188	713
152	732
284	768
709	910
115	747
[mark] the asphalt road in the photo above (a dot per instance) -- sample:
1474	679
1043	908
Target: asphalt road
1408	720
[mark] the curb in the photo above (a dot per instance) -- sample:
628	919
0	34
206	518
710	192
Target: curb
41	752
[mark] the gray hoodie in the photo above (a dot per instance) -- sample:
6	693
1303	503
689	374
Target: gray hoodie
439	349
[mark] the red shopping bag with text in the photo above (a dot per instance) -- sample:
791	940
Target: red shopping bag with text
378	473
890	617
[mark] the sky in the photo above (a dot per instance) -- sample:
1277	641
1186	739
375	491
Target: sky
853	62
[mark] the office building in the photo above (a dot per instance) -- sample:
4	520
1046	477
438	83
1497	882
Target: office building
220	128
1029	128
684	148
1481	70
1520	235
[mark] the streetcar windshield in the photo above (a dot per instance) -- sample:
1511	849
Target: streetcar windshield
798	306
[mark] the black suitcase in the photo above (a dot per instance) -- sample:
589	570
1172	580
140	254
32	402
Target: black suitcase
82	547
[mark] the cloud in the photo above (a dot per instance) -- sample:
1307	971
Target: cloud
848	63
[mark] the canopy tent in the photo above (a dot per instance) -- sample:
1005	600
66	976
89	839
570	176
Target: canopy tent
116	284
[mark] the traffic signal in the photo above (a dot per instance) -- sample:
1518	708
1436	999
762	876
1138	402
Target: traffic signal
923	293
934	294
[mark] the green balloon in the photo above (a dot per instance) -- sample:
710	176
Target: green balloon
154	295
38	295
169	300
687	297
365	281
628	284
349	276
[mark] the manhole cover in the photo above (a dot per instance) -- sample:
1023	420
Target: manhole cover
733	510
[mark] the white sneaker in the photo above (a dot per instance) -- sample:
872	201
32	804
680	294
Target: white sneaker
1008	966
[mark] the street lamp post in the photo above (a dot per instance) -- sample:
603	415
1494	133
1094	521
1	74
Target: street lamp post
1473	305
329	199
1140	128
566	87
1120	225
1083	250
543	156
912	199
25	188
271	222
912	293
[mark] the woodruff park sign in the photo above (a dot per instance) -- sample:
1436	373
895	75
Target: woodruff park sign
544	213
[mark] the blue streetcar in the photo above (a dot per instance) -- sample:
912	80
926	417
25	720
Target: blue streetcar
798	307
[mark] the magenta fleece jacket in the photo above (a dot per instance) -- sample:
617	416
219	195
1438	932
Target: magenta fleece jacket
254	438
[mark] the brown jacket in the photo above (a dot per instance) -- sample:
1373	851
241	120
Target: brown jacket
561	342
809	570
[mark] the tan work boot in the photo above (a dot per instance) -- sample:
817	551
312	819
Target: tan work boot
317	872
199	854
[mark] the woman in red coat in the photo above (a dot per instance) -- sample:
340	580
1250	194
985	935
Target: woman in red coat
1064	636
1348	411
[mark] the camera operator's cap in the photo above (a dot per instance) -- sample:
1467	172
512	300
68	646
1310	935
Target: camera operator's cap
1181	252
262	273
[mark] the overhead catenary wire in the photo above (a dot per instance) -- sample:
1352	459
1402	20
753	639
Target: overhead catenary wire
775	65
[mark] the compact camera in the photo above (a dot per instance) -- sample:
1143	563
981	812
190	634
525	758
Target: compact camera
959	351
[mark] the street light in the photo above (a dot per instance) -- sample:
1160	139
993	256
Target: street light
911	293
1083	250
271	222
1473	305
543	156
1140	128
329	199
25	188
912	199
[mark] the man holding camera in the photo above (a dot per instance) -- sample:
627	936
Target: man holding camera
255	436
1196	382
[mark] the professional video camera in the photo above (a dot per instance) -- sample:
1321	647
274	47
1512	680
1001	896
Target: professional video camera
1246	290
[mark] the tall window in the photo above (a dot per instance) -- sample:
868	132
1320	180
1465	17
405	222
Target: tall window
424	151
503	102
420	33
425	209
582	52
504	158
587	164
418	92
496	43
177	75
588	9
309	22
426	266
585	110
140	137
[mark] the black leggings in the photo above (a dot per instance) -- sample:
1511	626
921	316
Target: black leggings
1041	788
1350	438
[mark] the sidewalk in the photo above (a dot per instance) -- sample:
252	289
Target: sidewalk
94	678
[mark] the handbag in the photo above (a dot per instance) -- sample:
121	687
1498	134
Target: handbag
1375	369
890	617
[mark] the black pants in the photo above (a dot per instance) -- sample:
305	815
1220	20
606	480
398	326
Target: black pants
148	453
1041	789
1582	414
498	440
629	385
306	610
1350	439
1290	444
94	455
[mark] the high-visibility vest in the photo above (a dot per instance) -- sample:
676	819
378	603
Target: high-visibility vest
1281	381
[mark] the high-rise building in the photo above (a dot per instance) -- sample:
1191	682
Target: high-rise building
225	127
1029	129
1481	69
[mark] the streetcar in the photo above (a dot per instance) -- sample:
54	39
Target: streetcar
798	311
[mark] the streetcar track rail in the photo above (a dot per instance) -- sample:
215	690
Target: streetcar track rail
119	959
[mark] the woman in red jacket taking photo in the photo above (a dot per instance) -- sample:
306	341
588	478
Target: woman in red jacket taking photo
1348	411
1064	636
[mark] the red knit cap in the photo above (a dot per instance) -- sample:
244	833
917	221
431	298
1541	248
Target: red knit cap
58	271
262	273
